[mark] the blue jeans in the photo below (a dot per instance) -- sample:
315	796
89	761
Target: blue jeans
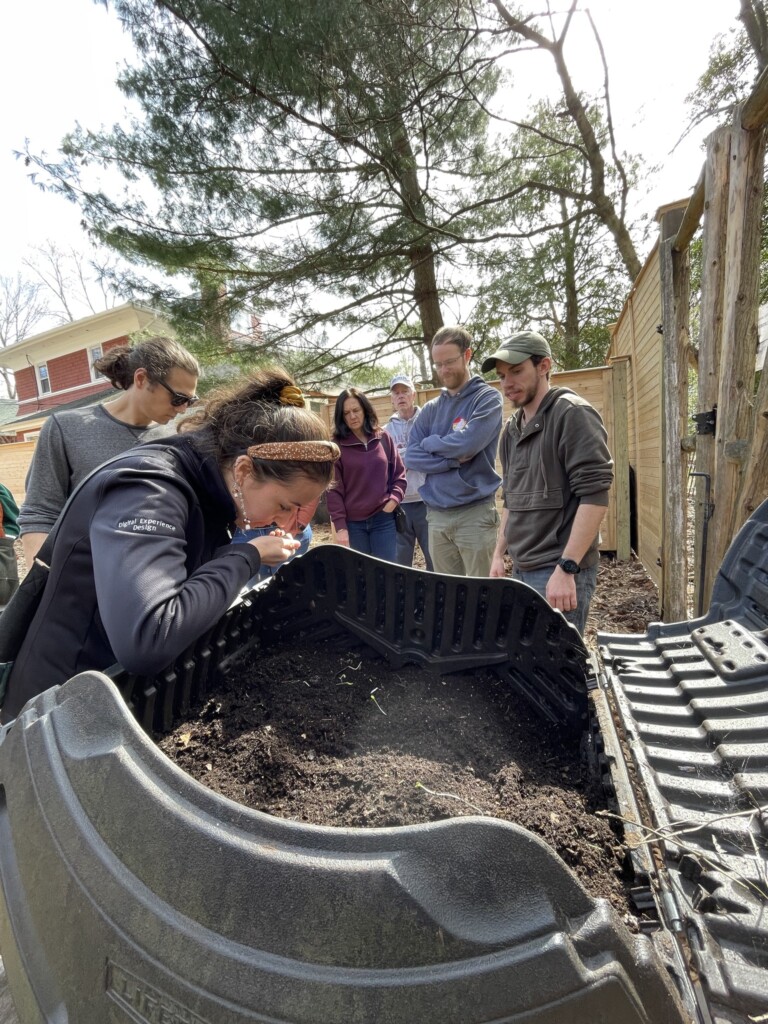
375	535
416	529
586	581
243	536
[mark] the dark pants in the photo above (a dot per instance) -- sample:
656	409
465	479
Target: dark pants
415	529
375	535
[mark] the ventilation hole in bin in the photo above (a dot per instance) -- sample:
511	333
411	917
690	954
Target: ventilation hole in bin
419	601
481	619
361	592
503	620
528	625
380	591
458	621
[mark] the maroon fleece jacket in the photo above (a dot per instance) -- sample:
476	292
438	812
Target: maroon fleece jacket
366	477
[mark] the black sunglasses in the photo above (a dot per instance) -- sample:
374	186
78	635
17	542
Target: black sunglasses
177	397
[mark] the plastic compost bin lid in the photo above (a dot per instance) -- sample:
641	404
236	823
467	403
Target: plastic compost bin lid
446	623
131	892
692	701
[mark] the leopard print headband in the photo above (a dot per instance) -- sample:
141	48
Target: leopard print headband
296	451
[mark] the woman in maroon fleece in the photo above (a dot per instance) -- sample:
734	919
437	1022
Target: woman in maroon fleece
369	481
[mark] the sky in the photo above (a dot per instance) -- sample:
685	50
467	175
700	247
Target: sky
59	59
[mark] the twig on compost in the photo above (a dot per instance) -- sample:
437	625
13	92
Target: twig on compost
373	698
342	675
671	833
449	796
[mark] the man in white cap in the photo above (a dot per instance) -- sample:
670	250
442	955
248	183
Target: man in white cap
414	526
556	473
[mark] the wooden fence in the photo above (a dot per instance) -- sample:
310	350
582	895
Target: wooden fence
652	336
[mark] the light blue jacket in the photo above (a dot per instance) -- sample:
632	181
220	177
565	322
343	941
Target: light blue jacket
400	432
454	443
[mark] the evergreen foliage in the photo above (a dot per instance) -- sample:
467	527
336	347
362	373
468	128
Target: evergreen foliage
329	165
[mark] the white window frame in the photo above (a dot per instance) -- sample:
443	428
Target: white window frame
95	352
43	382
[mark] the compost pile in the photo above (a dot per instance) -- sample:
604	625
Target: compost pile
330	734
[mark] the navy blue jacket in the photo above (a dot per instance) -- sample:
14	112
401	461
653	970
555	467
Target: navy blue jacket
141	567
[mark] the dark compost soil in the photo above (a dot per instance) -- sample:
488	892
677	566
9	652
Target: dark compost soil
329	734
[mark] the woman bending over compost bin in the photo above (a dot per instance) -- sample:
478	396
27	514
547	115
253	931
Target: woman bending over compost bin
142	563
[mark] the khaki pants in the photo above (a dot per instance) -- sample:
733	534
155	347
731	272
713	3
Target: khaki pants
462	540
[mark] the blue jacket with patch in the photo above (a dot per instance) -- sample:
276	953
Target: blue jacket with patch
454	443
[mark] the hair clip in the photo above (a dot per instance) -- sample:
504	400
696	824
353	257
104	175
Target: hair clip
291	395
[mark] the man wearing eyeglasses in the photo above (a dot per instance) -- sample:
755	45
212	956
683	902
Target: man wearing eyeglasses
155	379
453	443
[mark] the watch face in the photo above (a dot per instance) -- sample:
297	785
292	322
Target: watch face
568	565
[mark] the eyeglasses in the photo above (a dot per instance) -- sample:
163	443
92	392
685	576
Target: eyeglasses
178	398
447	362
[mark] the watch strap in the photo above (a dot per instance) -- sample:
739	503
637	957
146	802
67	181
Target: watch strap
569	565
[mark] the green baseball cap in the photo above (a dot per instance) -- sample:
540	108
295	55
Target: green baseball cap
521	346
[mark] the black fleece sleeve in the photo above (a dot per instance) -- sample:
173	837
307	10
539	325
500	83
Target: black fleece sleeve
151	610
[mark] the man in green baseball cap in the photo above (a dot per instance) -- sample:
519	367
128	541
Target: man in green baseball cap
521	346
556	473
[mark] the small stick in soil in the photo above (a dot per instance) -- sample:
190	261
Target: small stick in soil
373	698
450	796
670	832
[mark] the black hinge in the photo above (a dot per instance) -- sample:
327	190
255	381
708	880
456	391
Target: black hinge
705	421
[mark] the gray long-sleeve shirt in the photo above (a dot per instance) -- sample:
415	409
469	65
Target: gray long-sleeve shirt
72	444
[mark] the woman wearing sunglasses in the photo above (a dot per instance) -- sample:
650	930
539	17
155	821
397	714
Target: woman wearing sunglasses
156	380
141	563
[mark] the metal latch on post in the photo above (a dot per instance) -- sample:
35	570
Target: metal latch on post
705	421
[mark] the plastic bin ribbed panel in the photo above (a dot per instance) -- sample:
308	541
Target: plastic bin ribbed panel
448	623
692	699
130	892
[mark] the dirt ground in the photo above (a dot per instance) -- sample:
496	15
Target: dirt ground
331	735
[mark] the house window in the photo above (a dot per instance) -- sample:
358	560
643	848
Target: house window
43	380
94	354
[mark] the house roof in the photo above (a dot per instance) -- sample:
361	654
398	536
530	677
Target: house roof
111	323
42	414
8	408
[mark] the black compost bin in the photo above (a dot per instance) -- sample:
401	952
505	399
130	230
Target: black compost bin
132	893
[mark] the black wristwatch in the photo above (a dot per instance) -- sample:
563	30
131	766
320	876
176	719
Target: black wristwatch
568	565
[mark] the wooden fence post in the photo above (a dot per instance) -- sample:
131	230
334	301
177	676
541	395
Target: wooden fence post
675	289
716	170
621	456
739	338
754	484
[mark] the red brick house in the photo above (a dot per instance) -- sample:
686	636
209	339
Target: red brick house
54	370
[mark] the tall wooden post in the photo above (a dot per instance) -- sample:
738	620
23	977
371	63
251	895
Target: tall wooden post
716	170
739	339
675	294
620	453
754	484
